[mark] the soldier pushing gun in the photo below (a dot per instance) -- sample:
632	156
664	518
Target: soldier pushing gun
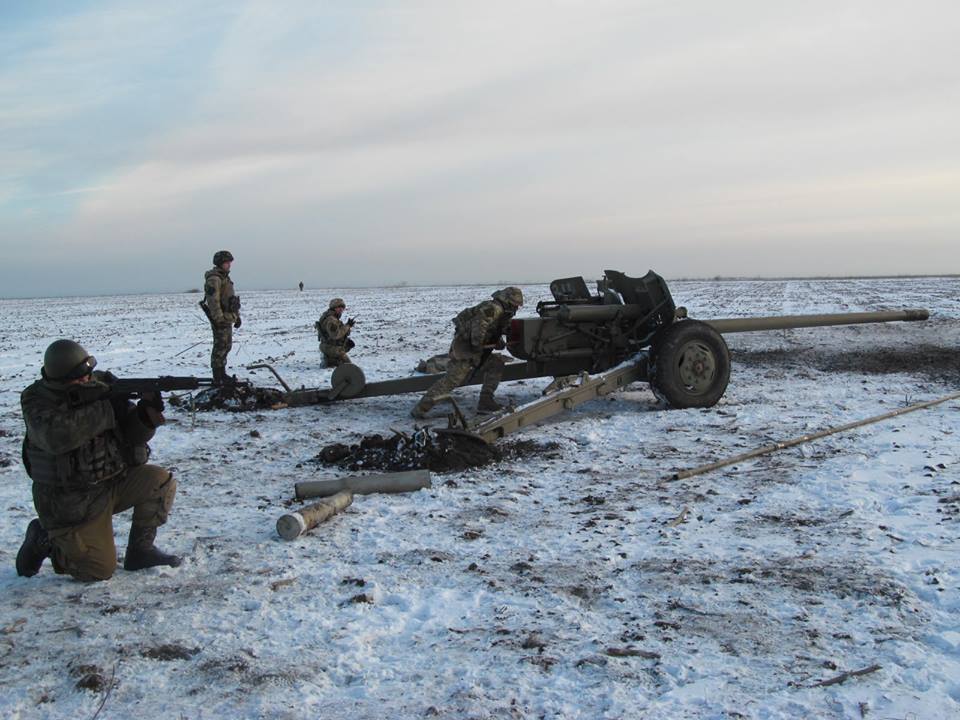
478	331
86	451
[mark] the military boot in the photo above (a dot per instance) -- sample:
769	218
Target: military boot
142	553
421	409
487	404
35	549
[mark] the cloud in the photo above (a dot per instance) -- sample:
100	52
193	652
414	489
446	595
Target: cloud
424	137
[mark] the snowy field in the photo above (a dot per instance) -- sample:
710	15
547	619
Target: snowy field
577	582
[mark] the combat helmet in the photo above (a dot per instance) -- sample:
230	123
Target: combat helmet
66	360
222	256
511	297
337	302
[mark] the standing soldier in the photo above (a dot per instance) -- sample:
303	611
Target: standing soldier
333	334
479	330
86	453
222	307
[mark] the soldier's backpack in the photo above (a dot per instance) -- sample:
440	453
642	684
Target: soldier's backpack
464	320
318	325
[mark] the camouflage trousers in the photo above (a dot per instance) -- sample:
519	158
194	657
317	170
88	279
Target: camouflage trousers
491	369
87	552
222	342
334	355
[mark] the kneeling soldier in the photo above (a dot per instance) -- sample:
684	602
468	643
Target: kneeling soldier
86	453
479	331
334	334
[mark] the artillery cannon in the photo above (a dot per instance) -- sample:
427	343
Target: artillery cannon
629	331
686	361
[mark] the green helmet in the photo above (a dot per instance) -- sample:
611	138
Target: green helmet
511	296
222	256
337	302
67	360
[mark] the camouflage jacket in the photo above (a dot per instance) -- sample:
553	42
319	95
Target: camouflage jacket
331	330
74	450
479	326
219	296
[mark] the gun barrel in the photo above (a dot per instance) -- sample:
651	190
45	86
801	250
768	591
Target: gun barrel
164	383
784	322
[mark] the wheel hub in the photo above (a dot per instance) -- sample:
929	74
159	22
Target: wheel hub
698	366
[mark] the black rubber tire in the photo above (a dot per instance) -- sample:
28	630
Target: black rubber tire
689	365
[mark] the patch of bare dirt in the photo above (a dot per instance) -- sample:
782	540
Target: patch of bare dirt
169	651
89	677
930	361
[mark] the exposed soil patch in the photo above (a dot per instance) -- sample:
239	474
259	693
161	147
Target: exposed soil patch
936	363
793	520
235	398
235	664
522	449
435	450
89	677
931	361
823	579
170	651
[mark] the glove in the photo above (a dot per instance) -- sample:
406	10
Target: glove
152	399
351	322
149	415
87	393
237	323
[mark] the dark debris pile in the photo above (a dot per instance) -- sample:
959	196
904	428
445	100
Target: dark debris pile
235	398
434	450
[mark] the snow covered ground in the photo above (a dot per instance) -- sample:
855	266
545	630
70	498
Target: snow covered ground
576	582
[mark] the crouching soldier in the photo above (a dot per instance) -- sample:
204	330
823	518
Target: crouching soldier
86	453
334	334
479	331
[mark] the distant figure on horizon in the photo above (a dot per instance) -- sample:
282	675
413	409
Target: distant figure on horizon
222	307
301	286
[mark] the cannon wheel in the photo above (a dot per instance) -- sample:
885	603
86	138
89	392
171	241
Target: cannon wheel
347	380
689	365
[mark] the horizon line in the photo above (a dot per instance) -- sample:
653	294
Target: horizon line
404	285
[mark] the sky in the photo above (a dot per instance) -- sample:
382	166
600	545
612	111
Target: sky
348	143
